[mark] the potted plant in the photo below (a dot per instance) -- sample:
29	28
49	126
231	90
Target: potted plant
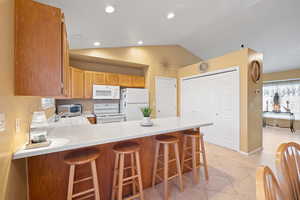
146	113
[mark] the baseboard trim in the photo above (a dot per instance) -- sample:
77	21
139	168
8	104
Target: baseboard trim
252	152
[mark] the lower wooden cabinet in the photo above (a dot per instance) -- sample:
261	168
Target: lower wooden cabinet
77	83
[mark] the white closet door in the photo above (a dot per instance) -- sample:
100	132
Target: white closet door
216	98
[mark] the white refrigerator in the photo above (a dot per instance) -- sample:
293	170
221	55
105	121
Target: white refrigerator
132	100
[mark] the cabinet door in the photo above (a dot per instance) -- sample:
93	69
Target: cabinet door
138	81
111	79
99	78
125	80
88	84
38	49
65	59
77	81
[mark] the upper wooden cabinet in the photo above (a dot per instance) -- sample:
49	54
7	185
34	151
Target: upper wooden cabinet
125	80
88	84
99	78
138	81
77	82
111	79
40	50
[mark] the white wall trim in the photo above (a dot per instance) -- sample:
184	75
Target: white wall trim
156	89
230	69
252	152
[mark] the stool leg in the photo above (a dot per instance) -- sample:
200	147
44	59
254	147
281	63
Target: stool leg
155	163
121	173
114	187
71	182
204	157
138	166
183	152
166	171
194	161
95	180
178	166
133	173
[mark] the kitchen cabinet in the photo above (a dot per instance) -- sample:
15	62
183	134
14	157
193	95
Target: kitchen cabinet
99	78
125	80
138	81
77	82
88	84
65	59
40	50
111	79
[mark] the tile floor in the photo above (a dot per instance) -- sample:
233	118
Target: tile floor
232	175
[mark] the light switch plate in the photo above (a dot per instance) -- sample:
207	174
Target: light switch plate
2	122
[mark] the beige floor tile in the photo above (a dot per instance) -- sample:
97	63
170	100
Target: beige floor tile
231	174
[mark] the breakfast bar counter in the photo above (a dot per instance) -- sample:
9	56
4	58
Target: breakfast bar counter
48	174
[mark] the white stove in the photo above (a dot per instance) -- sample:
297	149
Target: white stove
108	113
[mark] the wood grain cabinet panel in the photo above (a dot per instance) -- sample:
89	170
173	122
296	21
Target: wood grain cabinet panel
111	79
125	80
38	49
77	82
88	84
99	78
138	81
65	59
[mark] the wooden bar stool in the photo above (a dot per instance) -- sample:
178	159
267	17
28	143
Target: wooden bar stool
135	178
197	149
166	141
80	158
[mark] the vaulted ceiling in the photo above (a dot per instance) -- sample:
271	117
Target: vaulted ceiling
207	28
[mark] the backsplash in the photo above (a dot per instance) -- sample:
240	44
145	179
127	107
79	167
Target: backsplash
87	104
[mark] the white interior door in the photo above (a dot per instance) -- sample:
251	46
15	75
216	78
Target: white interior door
166	97
215	97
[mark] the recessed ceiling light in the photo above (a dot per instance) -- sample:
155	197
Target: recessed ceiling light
109	9
96	44
140	42
171	15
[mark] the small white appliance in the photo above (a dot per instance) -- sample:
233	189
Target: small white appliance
132	100
108	113
106	92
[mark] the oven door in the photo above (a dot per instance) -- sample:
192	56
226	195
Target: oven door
106	92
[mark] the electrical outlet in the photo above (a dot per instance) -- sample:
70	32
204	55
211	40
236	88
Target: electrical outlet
2	122
18	125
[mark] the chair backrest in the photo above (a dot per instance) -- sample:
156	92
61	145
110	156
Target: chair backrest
288	166
267	187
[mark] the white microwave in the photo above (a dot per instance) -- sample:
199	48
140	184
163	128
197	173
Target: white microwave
106	92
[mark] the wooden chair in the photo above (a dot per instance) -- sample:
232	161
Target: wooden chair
135	178
166	141
288	166
267	187
192	159
79	158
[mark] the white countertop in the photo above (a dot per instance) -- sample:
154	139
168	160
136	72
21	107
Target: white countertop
78	136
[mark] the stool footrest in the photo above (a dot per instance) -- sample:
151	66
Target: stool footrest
86	197
130	178
83	179
133	197
83	193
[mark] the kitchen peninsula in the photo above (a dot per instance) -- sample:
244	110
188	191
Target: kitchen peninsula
48	174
